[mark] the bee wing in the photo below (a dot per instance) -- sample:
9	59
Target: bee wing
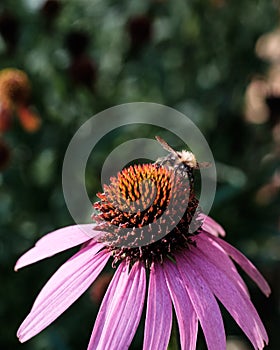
165	145
203	165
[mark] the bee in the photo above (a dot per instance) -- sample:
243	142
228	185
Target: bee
183	162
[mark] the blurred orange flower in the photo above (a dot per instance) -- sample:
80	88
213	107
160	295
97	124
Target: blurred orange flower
15	91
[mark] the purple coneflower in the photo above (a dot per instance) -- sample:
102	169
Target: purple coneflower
189	270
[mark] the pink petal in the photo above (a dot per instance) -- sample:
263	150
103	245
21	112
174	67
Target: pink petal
246	265
113	293
55	242
215	253
204	304
187	319
232	297
63	288
121	309
56	278
159	311
211	226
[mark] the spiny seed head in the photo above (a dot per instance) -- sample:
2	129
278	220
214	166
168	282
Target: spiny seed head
145	213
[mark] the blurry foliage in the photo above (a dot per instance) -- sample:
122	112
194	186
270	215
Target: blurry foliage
84	56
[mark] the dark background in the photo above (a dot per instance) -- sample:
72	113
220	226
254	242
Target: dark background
198	56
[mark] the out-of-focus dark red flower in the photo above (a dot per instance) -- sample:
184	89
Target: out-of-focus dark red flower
140	31
83	71
9	29
99	287
77	42
5	155
15	91
51	9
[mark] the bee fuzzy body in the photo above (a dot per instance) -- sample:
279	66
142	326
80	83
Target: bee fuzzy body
183	163
175	163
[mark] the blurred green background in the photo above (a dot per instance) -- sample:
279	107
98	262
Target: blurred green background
83	56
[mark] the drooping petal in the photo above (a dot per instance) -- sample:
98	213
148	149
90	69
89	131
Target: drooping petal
246	265
57	277
55	242
121	309
204	304
232	297
159	311
63	288
211	226
186	316
219	257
